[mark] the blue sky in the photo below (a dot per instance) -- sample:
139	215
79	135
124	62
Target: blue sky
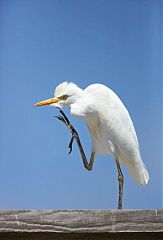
43	43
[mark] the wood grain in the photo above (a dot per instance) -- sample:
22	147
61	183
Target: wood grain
86	221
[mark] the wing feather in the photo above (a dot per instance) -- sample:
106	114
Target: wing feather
117	128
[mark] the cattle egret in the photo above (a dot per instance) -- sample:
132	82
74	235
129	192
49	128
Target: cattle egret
109	124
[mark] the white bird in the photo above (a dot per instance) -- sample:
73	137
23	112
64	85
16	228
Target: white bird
109	124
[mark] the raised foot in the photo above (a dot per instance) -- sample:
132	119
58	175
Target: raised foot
63	118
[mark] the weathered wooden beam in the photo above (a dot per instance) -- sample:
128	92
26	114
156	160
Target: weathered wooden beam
80	224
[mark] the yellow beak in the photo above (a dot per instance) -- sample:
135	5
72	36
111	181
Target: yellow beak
48	101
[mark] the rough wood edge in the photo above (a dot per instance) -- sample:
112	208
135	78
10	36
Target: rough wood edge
81	221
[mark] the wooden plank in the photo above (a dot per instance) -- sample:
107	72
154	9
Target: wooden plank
81	222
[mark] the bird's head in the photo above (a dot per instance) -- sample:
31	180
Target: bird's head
65	94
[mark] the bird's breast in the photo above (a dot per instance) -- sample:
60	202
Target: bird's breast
101	140
94	126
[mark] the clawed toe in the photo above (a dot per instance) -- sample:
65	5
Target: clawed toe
63	118
70	145
59	117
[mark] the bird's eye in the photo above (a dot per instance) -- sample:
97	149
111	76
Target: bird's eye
64	97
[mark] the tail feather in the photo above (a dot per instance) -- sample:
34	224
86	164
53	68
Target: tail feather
139	172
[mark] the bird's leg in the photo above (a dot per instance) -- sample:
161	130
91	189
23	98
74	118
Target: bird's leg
75	135
121	181
87	165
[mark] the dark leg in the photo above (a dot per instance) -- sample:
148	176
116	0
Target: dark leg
75	135
121	181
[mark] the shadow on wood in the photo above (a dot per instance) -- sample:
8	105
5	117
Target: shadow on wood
81	236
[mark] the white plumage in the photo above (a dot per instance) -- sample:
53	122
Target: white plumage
108	121
111	128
